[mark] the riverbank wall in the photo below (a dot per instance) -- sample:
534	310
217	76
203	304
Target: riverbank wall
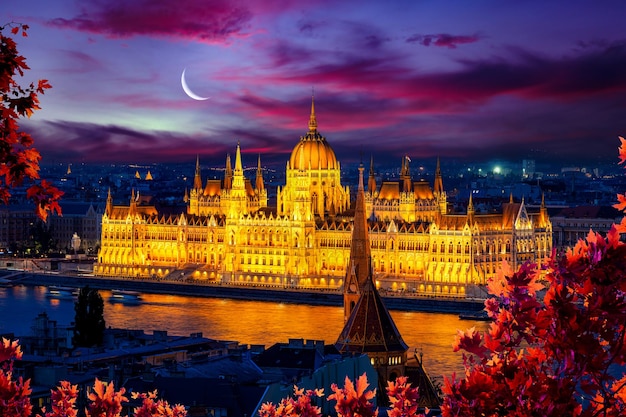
402	302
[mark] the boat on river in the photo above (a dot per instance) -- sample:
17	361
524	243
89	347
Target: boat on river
126	297
64	293
475	315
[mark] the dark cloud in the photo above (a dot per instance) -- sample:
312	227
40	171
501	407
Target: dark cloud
87	142
199	20
444	40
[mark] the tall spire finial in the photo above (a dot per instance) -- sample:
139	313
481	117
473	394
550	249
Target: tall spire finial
312	120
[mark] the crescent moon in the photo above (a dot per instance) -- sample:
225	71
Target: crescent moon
188	91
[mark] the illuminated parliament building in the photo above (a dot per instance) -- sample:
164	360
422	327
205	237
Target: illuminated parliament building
229	234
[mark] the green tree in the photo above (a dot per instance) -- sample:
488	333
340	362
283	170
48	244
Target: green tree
89	322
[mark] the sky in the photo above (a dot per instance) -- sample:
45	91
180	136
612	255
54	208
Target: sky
465	80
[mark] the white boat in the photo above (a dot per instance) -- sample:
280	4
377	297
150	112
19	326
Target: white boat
127	297
61	292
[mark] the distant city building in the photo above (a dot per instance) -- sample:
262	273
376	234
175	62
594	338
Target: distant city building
229	234
528	168
16	224
574	223
81	218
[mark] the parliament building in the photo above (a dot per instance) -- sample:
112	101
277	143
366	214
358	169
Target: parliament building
229	234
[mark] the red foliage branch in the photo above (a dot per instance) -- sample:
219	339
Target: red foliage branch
14	394
353	400
19	160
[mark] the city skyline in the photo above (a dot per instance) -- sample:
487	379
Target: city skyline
474	82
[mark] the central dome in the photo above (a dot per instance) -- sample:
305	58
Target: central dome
313	152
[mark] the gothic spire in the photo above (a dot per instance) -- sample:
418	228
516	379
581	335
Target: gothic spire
197	180
260	185
438	186
371	181
109	206
359	264
238	165
228	174
470	207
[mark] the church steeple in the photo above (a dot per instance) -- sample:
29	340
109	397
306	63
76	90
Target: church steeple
312	120
368	326
359	264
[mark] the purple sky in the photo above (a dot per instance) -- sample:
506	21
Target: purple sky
472	80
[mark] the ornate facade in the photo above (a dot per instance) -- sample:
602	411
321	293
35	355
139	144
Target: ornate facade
229	233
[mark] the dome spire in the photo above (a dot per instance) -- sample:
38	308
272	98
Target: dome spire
312	120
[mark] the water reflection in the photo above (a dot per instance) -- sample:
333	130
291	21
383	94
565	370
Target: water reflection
250	322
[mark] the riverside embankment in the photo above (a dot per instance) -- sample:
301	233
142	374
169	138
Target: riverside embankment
395	301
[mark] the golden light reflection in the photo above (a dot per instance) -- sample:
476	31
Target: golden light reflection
265	323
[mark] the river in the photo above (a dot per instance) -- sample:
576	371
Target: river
248	322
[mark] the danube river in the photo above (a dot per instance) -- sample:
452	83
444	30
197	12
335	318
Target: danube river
248	322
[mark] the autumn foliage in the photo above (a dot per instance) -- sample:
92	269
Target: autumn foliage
19	160
104	400
353	400
556	346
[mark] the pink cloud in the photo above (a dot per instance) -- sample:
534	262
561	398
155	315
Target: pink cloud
213	21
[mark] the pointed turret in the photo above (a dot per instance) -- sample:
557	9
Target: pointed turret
543	212
260	185
238	165
405	174
470	209
438	191
228	174
197	179
438	186
133	202
109	206
371	181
